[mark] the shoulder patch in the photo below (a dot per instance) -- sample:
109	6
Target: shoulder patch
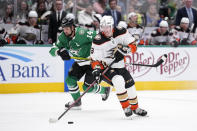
119	31
119	27
154	32
97	37
81	32
100	39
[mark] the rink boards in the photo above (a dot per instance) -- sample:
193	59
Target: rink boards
32	69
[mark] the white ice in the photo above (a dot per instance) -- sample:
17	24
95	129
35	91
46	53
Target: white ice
167	111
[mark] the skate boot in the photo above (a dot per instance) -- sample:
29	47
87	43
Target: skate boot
128	112
77	105
106	95
140	112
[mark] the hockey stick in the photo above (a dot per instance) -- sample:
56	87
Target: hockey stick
53	120
79	58
163	58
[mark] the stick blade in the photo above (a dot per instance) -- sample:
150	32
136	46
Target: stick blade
53	120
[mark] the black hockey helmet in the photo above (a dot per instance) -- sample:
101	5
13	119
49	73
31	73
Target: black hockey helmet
67	22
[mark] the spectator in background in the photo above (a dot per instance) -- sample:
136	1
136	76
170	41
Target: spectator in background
121	4
9	15
113	12
85	18
100	6
41	9
23	11
55	21
82	4
189	12
137	5
145	6
152	16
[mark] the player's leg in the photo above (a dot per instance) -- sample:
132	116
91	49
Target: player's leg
119	84
75	74
98	89
131	90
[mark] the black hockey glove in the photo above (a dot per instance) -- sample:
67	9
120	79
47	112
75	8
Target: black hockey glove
175	43
185	42
2	42
97	75
63	53
119	55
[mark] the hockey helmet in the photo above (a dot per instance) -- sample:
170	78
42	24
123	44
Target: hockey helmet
185	20
107	21
33	13
131	14
122	24
67	22
163	23
70	16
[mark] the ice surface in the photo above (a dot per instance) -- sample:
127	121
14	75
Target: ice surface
167	110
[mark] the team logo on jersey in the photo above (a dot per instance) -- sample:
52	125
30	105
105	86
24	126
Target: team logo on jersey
97	37
81	32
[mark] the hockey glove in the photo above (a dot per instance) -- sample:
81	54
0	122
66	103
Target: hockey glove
133	47
2	42
118	56
97	75
63	53
185	42
175	43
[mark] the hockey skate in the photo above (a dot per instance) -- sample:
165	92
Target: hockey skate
77	106
140	112
128	112
106	95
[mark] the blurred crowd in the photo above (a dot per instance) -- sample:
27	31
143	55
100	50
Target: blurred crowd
167	21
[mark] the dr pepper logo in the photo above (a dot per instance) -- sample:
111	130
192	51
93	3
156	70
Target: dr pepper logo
139	58
175	64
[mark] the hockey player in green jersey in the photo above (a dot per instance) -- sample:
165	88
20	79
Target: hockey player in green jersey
77	42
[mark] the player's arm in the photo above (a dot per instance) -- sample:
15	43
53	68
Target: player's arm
59	49
129	41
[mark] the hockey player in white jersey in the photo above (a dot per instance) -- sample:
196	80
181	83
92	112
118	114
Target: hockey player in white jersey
184	34
29	31
162	36
134	29
107	47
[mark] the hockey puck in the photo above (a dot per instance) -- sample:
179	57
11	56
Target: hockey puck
70	122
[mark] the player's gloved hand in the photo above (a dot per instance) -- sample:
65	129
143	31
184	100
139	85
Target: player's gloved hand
185	42
2	42
175	43
133	47
97	75
118	56
63	53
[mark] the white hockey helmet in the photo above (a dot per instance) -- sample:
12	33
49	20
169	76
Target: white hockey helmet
131	14
33	13
70	16
107	21
163	23
122	24
185	20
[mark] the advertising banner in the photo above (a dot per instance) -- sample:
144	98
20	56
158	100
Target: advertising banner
30	67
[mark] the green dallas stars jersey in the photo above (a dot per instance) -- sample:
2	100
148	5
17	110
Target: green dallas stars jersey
78	46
